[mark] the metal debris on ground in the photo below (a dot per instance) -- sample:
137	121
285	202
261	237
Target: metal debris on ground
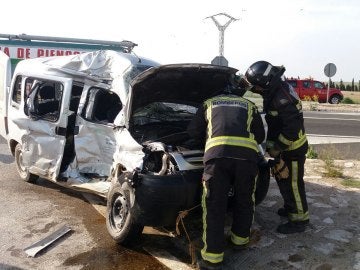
32	250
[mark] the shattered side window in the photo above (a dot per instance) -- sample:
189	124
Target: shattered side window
16	94
102	106
43	99
131	73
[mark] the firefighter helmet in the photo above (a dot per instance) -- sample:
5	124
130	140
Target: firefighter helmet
261	73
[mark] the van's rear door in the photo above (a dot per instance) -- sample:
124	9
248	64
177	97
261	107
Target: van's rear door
5	80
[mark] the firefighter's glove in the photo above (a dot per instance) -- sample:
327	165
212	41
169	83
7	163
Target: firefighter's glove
278	168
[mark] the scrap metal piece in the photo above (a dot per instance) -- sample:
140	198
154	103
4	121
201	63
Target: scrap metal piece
38	246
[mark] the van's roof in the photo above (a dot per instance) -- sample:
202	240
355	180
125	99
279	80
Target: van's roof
102	65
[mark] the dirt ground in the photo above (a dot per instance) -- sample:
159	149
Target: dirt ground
332	241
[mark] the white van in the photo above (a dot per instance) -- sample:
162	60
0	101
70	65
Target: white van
113	124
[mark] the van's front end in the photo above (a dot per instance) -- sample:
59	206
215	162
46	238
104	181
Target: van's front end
157	167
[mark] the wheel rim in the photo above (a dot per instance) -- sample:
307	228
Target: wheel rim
334	100
20	165
119	212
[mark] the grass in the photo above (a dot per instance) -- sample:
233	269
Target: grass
349	182
333	171
328	155
354	96
311	153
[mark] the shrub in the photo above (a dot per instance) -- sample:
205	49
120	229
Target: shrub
315	98
348	101
311	153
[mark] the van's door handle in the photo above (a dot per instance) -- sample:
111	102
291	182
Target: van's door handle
60	131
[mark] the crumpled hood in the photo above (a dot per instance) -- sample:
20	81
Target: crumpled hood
179	83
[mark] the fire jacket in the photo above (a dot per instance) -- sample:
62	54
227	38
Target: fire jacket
230	126
285	120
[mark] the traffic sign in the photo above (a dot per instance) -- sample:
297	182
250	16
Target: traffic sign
330	70
220	61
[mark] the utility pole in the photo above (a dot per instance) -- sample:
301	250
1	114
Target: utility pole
220	59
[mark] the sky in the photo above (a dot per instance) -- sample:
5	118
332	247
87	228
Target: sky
302	35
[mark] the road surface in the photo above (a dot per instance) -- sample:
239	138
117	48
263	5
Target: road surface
338	133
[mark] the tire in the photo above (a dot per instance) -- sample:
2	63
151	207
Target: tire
121	219
335	99
21	168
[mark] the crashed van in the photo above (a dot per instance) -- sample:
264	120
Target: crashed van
113	124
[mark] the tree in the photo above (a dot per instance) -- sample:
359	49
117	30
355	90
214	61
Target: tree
342	86
352	85
332	85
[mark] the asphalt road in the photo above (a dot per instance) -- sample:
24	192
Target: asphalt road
29	212
333	124
335	133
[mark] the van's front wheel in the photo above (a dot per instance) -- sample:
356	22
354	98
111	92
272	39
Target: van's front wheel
21	168
120	216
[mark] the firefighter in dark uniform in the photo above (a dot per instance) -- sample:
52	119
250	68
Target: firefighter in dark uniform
286	139
231	128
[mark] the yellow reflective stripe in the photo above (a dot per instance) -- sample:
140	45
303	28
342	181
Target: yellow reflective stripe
300	142
203	204
295	187
273	113
285	141
253	196
212	257
249	120
208	116
237	240
299	106
299	217
231	140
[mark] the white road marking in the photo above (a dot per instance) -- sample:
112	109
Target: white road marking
328	139
332	118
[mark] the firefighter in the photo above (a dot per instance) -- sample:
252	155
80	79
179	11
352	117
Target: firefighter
231	129
286	140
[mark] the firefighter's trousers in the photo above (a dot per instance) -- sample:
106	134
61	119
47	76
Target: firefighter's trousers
219	176
292	189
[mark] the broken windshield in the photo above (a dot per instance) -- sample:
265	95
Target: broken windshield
163	112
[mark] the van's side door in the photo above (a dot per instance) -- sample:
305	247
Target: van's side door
95	142
38	116
5	79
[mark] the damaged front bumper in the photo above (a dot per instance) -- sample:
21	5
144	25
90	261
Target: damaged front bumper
161	198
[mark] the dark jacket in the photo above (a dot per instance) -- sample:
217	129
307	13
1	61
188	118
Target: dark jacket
230	126
285	120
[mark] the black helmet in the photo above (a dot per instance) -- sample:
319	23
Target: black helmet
261	73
